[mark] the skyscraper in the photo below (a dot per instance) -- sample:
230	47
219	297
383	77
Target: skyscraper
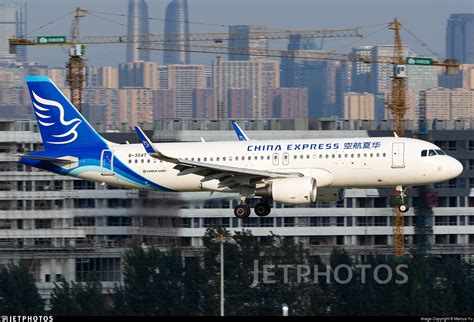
290	74
176	25
256	76
460	37
241	42
13	22
137	25
360	71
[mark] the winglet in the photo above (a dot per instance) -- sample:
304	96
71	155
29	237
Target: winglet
150	148
240	134
147	144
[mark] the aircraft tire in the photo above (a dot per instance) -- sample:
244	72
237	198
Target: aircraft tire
242	211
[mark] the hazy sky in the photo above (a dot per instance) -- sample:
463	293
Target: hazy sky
426	18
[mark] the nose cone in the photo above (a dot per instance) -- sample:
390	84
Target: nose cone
455	168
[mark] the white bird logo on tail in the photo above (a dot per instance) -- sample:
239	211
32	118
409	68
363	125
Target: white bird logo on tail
42	114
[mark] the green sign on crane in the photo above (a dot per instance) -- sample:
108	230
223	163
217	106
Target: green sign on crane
51	39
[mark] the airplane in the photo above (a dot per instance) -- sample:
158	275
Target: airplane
285	171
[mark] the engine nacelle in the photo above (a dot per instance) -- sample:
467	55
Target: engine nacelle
302	190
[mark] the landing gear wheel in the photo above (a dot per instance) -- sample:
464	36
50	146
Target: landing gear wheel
403	207
242	211
262	209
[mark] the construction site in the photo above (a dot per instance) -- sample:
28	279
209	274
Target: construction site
65	228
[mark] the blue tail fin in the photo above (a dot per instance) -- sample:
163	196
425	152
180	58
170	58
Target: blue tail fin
61	125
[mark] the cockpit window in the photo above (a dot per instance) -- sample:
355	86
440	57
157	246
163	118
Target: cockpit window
431	153
423	153
440	152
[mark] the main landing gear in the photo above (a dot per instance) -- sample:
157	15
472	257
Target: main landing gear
261	209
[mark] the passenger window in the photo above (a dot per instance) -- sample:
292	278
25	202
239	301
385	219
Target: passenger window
148	161
384	155
211	159
358	155
255	158
320	156
268	157
205	159
295	157
307	156
143	161
423	153
261	157
217	159
199	159
377	155
250	158
223	159
230	158
371	155
365	155
129	161
352	155
136	160
339	156
327	156
301	156
333	156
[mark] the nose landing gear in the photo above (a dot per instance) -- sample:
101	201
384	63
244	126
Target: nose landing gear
400	199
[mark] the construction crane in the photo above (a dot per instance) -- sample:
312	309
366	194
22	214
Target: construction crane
397	103
75	64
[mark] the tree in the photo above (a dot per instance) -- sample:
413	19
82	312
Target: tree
78	298
18	292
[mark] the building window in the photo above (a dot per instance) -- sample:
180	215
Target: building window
84	203
104	269
84	221
119	221
43	223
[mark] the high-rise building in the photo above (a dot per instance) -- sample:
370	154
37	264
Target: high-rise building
163	104
290	75
241	42
460	37
101	106
258	76
142	74
176	27
359	106
106	77
13	22
238	100
203	103
447	104
361	72
137	29
420	78
464	78
183	79
135	106
287	103
320	77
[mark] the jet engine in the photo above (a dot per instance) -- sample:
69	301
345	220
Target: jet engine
302	190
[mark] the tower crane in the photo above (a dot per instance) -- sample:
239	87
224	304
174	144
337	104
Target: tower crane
75	65
397	103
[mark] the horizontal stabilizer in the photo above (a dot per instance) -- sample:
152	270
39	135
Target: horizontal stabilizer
52	160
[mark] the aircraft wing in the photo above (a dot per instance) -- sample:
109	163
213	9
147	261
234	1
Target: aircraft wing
228	176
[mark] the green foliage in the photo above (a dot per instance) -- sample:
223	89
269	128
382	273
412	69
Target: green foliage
18	292
170	283
77	298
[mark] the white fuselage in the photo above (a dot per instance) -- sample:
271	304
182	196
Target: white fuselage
338	163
